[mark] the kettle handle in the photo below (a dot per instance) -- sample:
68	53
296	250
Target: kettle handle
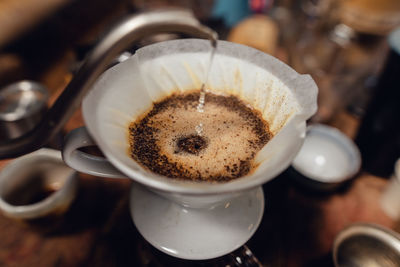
121	37
84	162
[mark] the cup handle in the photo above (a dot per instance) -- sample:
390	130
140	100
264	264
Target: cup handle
84	162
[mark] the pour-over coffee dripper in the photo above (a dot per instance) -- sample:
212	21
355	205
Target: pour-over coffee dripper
193	220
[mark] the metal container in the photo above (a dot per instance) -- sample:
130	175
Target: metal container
22	106
366	245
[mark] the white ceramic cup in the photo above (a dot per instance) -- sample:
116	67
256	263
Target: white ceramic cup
27	175
327	159
390	199
124	92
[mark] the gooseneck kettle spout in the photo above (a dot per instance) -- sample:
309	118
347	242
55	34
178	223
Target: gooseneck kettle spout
116	41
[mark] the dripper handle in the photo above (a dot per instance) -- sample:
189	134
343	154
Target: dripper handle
84	162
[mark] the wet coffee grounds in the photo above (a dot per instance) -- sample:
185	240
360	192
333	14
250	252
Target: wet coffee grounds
165	141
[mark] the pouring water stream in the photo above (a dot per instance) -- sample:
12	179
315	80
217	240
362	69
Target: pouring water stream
200	106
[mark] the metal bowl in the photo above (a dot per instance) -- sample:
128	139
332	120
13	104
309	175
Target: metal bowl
366	245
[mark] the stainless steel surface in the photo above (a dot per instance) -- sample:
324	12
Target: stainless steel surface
22	105
117	40
367	245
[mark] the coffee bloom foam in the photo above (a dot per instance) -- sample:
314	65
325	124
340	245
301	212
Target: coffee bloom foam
231	135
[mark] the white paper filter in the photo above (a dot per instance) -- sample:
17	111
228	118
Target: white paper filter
285	98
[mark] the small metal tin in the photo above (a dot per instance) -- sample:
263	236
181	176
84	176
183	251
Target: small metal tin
22	106
364	244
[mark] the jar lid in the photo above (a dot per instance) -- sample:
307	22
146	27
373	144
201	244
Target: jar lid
22	100
370	16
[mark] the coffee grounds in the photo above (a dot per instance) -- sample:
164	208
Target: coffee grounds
165	141
192	144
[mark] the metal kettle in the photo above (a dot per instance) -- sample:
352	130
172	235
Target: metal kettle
121	37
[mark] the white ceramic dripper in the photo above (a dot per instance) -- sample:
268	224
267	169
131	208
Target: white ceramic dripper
187	219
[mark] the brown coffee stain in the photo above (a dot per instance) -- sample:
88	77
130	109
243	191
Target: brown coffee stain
238	79
170	76
195	79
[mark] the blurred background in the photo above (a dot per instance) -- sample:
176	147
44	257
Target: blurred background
343	44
